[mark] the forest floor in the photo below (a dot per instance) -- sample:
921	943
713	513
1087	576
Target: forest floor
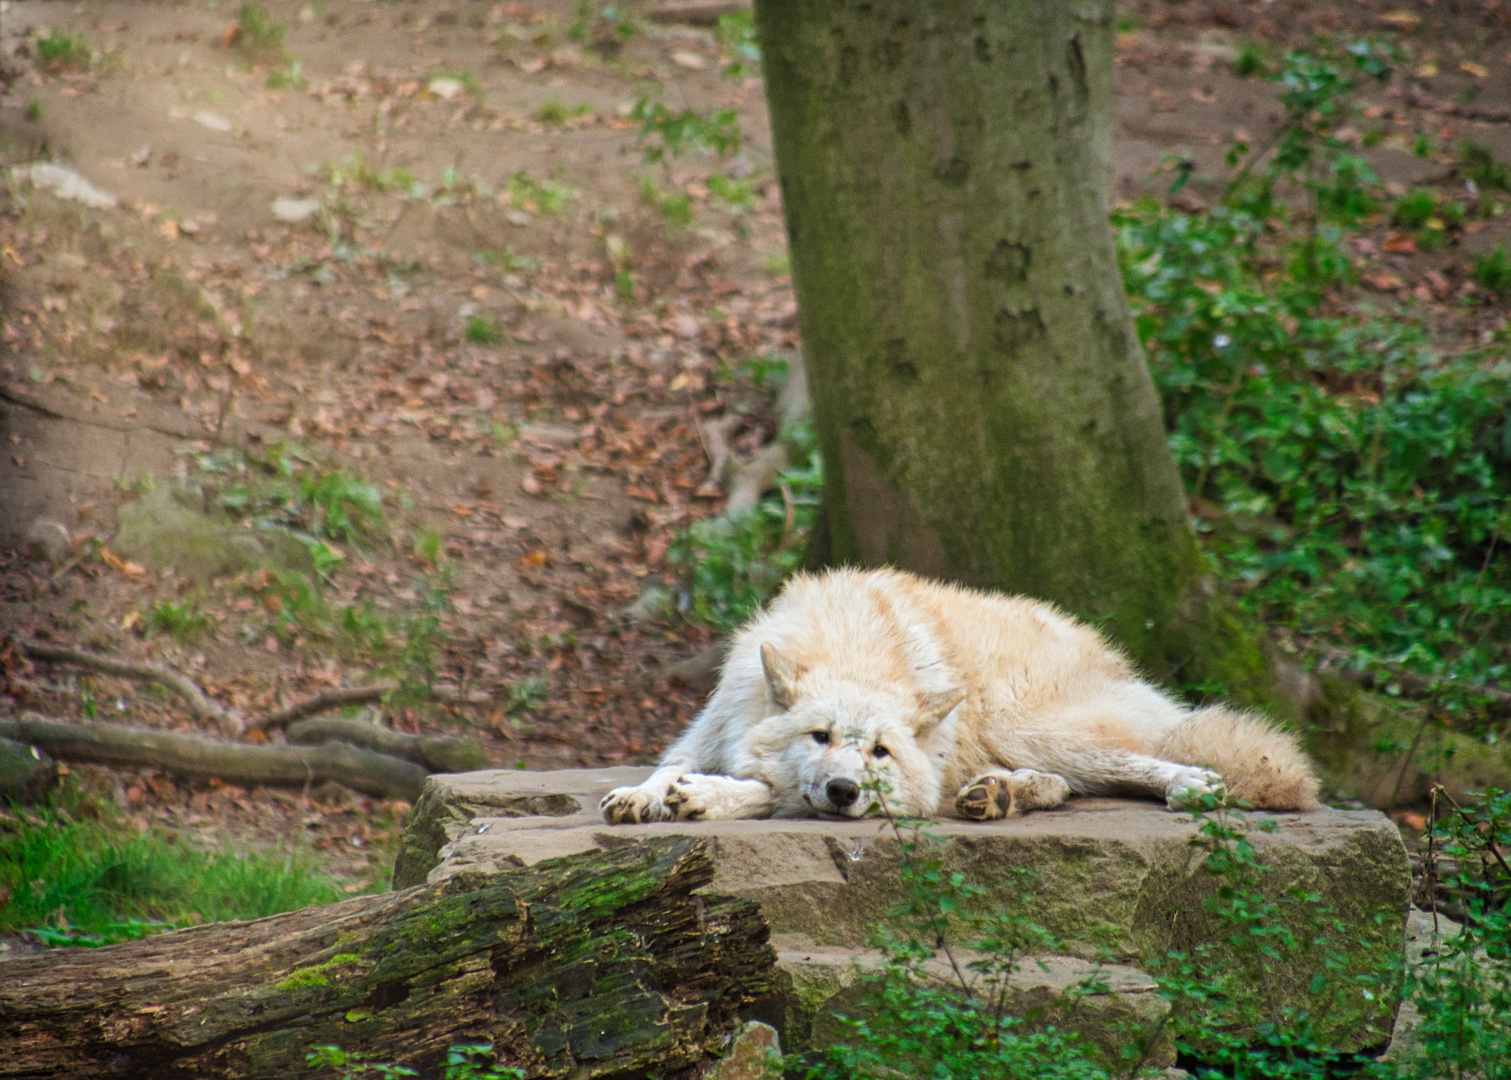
500	317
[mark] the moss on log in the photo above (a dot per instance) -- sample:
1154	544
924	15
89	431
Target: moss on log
599	965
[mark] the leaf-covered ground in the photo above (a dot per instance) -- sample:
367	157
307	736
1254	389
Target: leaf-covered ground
471	383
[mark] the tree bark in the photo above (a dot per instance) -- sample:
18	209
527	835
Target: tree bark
194	755
604	964
980	396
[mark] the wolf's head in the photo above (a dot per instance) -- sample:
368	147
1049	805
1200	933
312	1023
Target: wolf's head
839	746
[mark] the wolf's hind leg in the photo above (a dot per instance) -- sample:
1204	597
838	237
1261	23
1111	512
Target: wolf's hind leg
1001	794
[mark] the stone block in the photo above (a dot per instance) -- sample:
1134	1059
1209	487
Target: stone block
1117	881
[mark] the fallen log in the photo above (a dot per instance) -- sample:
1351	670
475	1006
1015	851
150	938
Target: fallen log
697	13
437	753
601	964
203	758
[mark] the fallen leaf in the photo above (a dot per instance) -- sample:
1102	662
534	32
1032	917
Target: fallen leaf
1385	281
1469	67
1406	20
1400	244
690	60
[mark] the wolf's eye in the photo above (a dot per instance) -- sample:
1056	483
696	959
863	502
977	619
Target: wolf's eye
881	752
820	737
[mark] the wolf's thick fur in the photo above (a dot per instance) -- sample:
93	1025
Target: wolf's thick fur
1004	703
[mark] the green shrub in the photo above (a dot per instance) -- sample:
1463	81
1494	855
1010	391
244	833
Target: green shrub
1357	481
1414	210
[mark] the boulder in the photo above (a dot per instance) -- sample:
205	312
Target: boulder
165	528
1119	883
26	773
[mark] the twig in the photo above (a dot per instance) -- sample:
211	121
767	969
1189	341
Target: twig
229	720
1419	100
715	438
939	939
322	702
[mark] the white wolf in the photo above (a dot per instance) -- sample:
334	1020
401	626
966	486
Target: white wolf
851	676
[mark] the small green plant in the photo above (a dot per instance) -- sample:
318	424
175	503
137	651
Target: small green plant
1250	60
76	880
1415	209
33	110
481	330
676	207
554	112
1477	163
538	197
605	26
1493	272
778	264
290	78
259	37
59	51
465	1061
736	33
738	195
182	622
666	134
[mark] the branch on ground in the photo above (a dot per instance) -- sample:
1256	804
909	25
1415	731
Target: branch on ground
198	757
440	753
229	721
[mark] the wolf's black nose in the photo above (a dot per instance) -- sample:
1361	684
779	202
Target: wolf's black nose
842	792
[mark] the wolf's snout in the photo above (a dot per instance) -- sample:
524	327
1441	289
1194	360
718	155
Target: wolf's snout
842	792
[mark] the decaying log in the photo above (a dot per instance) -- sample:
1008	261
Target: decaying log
601	964
241	763
439	753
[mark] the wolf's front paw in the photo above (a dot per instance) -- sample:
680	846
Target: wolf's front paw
633	805
706	797
1189	785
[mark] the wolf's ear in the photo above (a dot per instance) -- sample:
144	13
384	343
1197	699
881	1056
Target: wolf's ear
781	677
932	708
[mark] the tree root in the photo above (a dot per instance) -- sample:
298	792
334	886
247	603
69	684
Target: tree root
199	757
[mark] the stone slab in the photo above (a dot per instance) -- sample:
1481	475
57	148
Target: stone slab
1113	878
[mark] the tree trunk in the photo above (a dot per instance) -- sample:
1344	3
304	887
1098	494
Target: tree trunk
602	964
980	396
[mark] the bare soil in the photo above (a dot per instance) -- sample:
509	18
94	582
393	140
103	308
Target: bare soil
559	463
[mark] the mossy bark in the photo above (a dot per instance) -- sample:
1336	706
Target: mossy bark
604	964
980	397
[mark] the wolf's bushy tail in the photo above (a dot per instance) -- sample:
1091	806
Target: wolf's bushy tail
1259	763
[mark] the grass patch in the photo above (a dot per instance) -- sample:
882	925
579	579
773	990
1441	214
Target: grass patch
259	36
555	113
59	51
71	880
538	196
482	331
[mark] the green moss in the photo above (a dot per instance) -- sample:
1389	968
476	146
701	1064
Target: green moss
302	978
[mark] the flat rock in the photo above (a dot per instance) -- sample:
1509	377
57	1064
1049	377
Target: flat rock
1115	880
164	529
